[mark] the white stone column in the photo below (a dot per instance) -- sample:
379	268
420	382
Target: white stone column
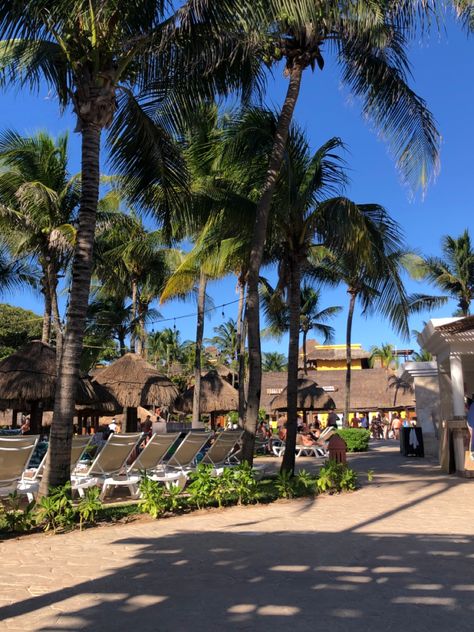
457	385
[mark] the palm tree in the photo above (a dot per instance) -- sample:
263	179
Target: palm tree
370	41
38	209
225	340
13	272
274	361
385	353
453	273
132	261
312	317
89	53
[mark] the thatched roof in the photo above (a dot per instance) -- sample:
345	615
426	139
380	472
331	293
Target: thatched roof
317	353
371	389
217	396
134	382
94	399
310	397
29	375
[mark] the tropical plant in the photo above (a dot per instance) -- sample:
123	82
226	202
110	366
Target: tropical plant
385	354
39	199
453	273
274	361
225	340
370	41
14	515
89	506
336	477
56	510
92	55
17	327
356	439
312	317
152	498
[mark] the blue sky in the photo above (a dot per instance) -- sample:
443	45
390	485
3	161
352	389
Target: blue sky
442	71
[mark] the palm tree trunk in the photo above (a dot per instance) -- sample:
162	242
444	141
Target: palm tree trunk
53	285
347	402
133	335
196	419
305	357
294	297
57	470
46	333
255	261
240	345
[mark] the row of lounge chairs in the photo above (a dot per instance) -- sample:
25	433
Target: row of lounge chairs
165	458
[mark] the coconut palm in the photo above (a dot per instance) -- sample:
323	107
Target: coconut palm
38	209
370	41
133	261
225	339
274	361
453	273
385	353
13	272
312	317
89	53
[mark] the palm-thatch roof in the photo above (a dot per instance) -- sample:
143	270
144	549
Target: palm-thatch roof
29	375
310	397
134	382
94	399
371	390
217	396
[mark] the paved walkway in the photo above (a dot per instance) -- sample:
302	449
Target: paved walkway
397	555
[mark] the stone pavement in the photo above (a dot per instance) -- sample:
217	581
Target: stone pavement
397	554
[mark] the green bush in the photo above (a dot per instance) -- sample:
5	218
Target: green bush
89	506
56	511
152	499
13	517
336	477
357	439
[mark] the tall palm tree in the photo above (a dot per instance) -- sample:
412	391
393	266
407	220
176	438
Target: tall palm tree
225	339
38	209
13	272
312	317
90	53
453	273
370	41
274	361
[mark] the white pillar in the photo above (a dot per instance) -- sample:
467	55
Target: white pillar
457	385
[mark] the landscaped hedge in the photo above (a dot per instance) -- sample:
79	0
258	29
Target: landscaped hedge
357	439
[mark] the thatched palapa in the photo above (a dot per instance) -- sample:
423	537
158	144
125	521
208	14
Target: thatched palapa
310	397
29	375
134	382
217	396
94	399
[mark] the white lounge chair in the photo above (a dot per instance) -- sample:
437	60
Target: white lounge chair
222	450
150	461
109	466
15	454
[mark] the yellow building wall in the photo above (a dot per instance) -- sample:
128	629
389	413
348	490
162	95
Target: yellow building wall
337	365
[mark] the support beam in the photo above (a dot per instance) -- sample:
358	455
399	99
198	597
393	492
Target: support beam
457	385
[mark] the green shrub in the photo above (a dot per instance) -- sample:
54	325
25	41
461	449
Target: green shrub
56	511
89	506
244	485
336	477
13	517
152	501
201	487
357	439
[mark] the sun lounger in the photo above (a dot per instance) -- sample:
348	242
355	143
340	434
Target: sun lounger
150	461
31	476
185	457
15	453
222	450
109	466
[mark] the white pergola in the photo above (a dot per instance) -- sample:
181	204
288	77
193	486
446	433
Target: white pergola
451	341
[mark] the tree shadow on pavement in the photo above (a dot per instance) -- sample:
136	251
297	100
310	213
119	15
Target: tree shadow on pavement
351	582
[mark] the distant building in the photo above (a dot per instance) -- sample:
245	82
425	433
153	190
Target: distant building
333	357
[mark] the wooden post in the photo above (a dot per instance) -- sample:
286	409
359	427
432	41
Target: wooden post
14	418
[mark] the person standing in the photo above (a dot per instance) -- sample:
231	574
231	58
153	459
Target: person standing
470	425
396	425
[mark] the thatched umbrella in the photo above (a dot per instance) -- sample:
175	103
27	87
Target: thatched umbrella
310	397
217	397
28	380
134	382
